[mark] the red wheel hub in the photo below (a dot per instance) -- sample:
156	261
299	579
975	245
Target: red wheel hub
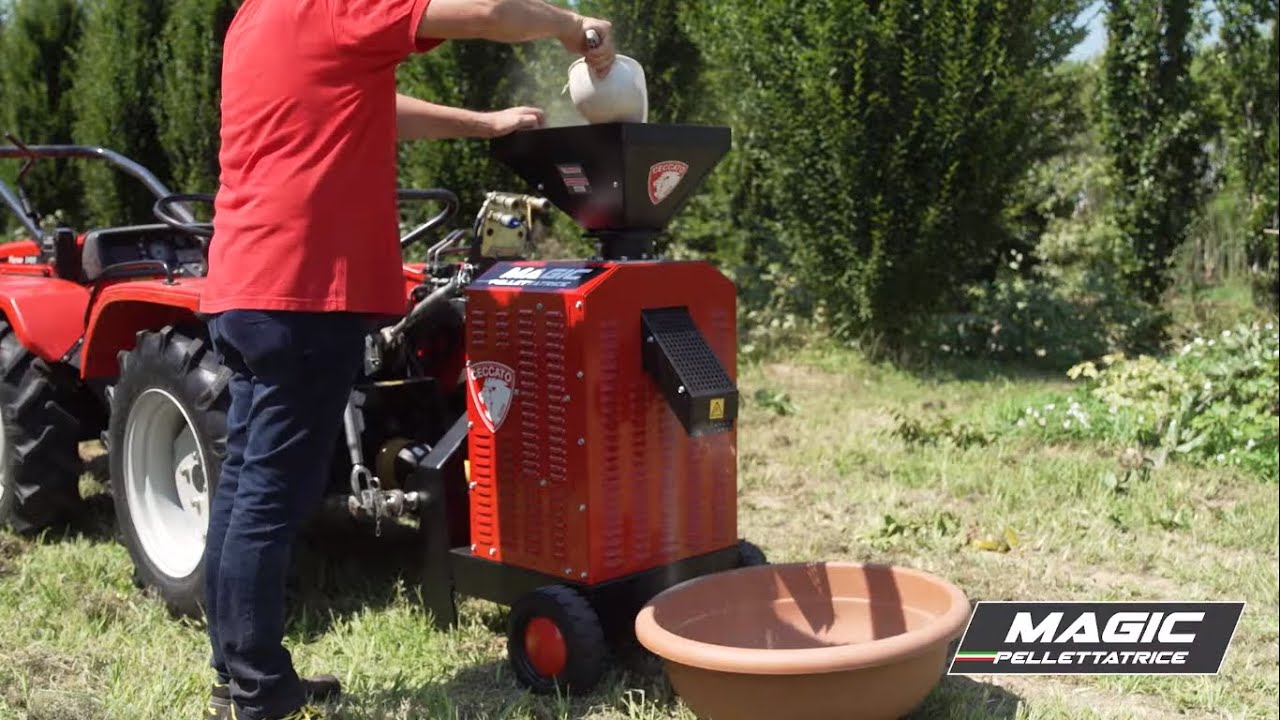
545	647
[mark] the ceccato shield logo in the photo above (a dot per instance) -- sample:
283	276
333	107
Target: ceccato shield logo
492	386
663	179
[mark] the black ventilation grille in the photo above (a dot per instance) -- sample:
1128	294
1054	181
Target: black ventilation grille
696	386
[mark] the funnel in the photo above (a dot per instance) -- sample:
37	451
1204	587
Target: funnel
621	182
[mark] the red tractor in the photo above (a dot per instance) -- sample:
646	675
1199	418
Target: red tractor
562	434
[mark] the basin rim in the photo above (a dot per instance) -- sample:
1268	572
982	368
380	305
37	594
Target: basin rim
675	648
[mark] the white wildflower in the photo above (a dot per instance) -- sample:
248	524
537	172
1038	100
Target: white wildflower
1050	406
1249	445
1222	458
944	347
1226	333
1208	385
1022	422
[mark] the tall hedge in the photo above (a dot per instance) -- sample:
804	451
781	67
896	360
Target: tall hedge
187	111
35	82
1246	81
114	97
1153	130
877	142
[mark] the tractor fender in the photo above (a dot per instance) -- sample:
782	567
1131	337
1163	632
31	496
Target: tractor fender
46	313
127	308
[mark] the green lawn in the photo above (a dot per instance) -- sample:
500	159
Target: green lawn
832	480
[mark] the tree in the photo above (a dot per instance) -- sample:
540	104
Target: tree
1247	82
1154	126
877	143
188	114
115	91
35	81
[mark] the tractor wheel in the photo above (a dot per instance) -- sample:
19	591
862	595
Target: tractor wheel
39	450
555	641
750	555
166	437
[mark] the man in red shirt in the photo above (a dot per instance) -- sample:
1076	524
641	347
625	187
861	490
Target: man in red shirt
305	253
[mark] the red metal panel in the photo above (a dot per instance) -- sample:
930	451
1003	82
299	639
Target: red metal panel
589	474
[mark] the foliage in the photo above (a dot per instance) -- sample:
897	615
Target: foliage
35	82
878	142
1243	71
1215	401
1153	128
187	114
114	94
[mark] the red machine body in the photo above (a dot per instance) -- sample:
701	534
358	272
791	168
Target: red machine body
579	467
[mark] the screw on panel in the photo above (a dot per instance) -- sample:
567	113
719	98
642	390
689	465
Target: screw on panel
680	390
471	485
582	508
649	339
493	551
542	483
566	398
578	305
580	376
582	441
539	306
470	424
584	575
568	571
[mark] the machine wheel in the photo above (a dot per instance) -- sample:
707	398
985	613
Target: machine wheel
166	437
750	555
39	453
555	640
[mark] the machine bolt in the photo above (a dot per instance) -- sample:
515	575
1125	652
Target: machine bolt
473	548
470	424
680	390
582	441
584	575
493	551
578	305
582	508
580	375
542	483
539	306
471	486
568	571
615	184
649	339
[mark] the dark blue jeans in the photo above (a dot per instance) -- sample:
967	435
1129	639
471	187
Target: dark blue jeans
291	376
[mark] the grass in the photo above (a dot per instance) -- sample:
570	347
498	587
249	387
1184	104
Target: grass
838	459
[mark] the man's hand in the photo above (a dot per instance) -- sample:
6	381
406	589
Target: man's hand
505	122
600	58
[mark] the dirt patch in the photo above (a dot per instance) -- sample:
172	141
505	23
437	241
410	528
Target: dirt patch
10	548
49	686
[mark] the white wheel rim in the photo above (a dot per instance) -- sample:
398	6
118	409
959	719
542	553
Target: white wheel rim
165	484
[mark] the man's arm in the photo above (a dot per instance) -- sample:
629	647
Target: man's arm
420	120
517	21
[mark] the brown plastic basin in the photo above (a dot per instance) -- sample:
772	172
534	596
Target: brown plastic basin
811	641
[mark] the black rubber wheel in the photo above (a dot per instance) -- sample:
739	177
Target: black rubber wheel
555	642
39	449
166	440
750	555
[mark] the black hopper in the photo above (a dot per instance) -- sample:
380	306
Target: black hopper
621	182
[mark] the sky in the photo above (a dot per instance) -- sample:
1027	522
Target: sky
1096	42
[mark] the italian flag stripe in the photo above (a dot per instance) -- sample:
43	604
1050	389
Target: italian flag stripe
977	656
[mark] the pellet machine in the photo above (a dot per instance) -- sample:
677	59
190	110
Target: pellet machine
596	464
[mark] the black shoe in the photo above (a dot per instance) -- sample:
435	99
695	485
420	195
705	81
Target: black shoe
318	689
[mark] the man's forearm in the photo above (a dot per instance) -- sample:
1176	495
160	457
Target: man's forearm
420	120
507	21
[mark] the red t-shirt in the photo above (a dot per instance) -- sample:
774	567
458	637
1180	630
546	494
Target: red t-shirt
306	216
